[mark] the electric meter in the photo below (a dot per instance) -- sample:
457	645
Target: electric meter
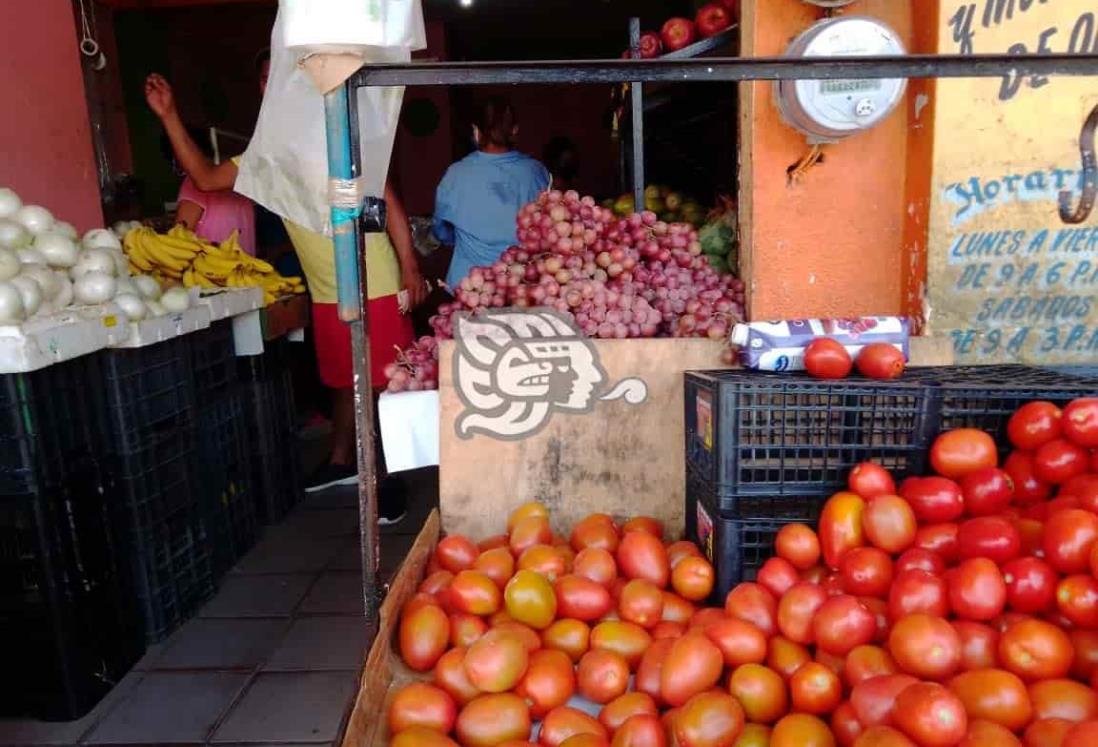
830	110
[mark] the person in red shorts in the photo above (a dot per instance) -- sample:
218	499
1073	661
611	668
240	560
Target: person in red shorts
391	267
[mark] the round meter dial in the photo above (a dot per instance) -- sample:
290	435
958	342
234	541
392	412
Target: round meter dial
830	110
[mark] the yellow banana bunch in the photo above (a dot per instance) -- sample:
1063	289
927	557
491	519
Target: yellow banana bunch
180	256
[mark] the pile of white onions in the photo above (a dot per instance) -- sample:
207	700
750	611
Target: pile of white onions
415	369
46	267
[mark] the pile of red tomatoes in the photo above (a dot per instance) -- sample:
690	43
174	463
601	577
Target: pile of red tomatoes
954	609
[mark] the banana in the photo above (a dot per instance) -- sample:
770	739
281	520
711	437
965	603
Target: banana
136	251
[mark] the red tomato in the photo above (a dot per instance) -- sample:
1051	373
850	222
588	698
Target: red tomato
956	453
676	551
977	590
941	539
1069	537
496	662
709	719
614	715
979	645
994	695
651	666
602	676
1034	424
991	537
1035	650
622	638
1047	732
761	691
889	523
1077	600
449	675
753	735
1081	422
676	609
436	583
474	593
920	559
1085	645
424	636
465	629
987	734
801	730
1085	488
931	715
870	480
598	565
796	609
785	657
933	499
1032	534
692	578
754	604
866	662
925	646
1081	735
706	616
418	736
572	637
493	719
497	563
815	689
880	360
549	682
987	491
640	555
1059	460
826	359
777	575
596	530
525	511
917	591
799	545
840	527
693	665
548	561
866	571
565	722
640	731
874	699
845	725
816	574
456	553
645	524
581	598
740	642
1028	488
423	705
1066	699
641	603
533	530
668	630
841	623
883	736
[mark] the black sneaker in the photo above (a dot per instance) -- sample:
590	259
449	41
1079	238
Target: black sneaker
330	475
392	506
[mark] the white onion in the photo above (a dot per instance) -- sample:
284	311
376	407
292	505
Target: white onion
121	228
31	292
45	278
59	250
147	285
101	238
31	256
125	286
67	230
34	218
121	263
94	260
155	308
93	288
63	299
9	264
132	306
176	299
11	304
13	234
9	202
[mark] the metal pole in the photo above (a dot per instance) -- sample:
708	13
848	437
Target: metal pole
636	89
344	164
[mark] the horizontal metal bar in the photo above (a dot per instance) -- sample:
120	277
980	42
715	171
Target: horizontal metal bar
723	69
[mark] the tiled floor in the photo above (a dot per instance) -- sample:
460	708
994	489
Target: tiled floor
272	659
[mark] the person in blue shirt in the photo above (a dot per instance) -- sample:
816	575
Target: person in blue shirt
479	197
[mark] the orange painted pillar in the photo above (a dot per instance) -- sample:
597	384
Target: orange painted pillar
831	243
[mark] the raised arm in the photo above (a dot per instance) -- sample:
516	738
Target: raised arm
206	175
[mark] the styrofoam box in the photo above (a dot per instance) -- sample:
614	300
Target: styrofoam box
159	329
54	338
231	302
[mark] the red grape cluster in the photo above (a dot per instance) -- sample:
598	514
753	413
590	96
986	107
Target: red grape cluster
415	369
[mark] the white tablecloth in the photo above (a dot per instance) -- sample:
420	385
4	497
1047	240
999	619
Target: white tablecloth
409	429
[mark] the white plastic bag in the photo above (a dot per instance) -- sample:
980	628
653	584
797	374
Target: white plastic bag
352	25
285	167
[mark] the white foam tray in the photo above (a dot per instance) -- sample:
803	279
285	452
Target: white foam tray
231	302
170	326
55	338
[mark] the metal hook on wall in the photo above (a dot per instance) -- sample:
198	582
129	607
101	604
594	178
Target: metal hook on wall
1088	142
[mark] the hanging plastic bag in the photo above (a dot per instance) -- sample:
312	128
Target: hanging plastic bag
285	167
327	26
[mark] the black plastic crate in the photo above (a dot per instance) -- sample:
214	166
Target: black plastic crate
154	491
47	421
758	434
227	501
144	390
274	448
268	365
213	360
738	546
69	630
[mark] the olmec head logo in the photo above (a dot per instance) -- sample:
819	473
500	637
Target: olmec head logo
514	369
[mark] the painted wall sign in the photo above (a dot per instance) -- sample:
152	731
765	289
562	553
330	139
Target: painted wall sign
1007	279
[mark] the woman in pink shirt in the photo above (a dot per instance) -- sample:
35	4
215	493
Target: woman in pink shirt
214	215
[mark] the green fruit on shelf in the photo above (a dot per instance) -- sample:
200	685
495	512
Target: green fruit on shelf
674	201
651	192
654	204
624	205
